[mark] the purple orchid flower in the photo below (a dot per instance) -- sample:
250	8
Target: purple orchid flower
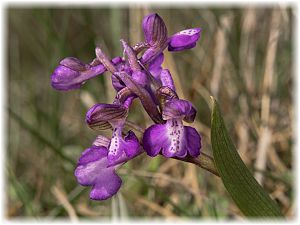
133	77
72	73
100	116
157	40
94	168
173	139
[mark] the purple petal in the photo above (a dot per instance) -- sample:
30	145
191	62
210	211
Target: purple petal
155	67
140	78
127	103
143	95
91	161
155	138
172	49
64	79
178	108
166	79
93	171
106	186
151	54
132	145
185	39
193	141
117	83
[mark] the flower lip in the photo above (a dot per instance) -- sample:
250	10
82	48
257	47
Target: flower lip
178	108
172	139
185	39
92	170
122	149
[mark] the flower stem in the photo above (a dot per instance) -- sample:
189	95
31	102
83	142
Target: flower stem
204	161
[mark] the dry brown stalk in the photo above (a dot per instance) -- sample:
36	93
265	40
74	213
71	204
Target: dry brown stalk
63	200
220	53
265	132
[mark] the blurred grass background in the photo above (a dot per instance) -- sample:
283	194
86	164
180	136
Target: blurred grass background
244	59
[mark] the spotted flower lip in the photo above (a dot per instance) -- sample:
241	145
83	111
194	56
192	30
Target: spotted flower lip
173	139
122	149
72	73
184	39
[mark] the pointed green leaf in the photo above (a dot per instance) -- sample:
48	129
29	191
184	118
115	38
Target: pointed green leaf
246	192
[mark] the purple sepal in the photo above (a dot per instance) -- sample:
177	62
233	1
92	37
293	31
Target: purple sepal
185	39
92	170
74	64
155	30
155	67
178	108
156	35
100	116
72	73
166	79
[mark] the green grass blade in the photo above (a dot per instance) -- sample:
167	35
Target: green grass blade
248	195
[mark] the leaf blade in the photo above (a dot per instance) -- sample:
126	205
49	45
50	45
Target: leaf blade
246	192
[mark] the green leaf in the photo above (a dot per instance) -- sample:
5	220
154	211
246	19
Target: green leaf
246	192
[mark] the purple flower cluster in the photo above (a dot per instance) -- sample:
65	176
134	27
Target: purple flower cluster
137	75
